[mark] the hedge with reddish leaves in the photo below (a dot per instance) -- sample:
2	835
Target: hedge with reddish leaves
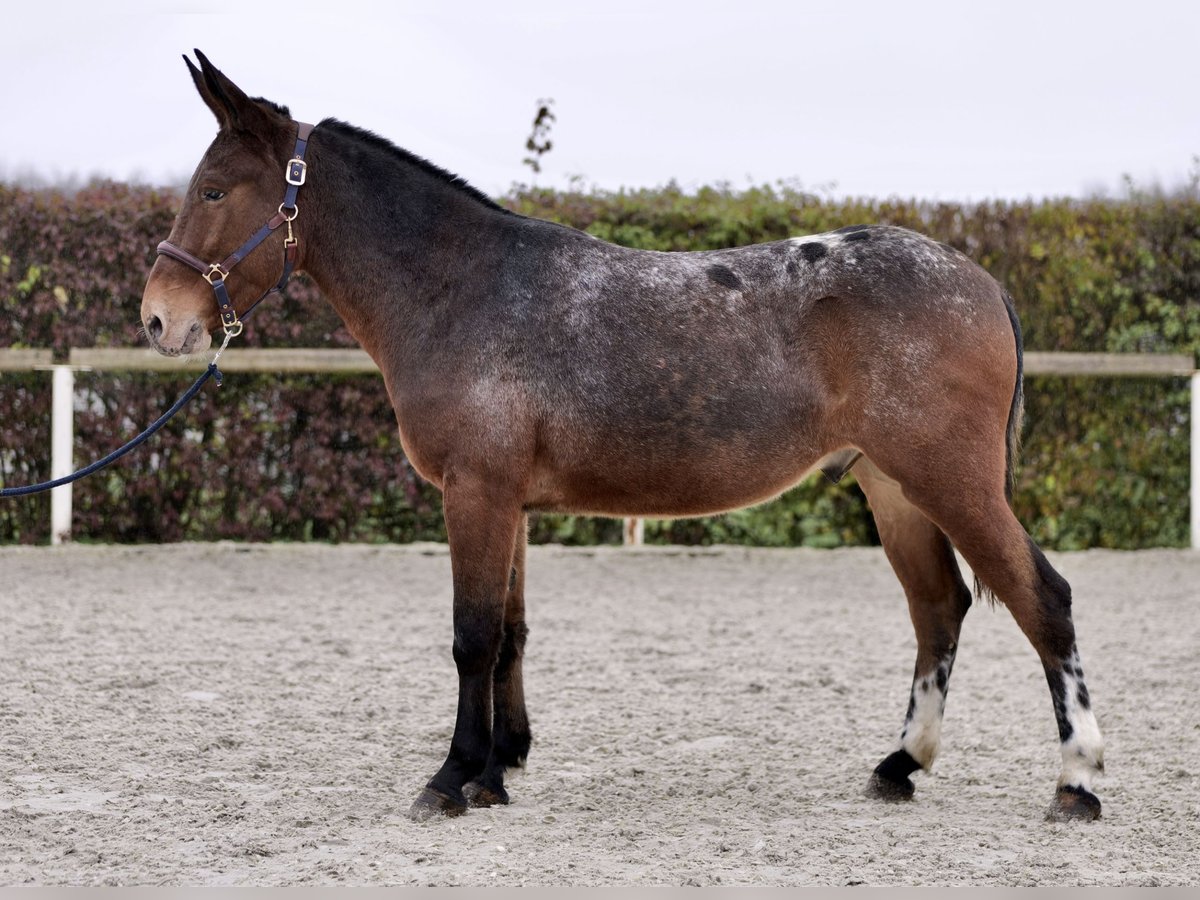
317	456
264	458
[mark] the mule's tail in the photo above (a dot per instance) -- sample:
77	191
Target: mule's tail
1016	412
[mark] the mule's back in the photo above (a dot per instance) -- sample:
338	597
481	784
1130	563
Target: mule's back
654	372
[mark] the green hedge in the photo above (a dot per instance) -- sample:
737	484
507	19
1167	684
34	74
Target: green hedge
1105	462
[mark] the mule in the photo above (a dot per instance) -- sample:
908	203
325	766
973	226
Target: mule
534	367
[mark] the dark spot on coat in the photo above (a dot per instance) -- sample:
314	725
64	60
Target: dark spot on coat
813	250
858	236
724	276
1082	697
1058	693
943	677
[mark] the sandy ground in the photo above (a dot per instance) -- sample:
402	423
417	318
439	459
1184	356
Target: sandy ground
213	714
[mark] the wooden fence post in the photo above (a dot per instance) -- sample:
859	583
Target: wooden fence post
634	532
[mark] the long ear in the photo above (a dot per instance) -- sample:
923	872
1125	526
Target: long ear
218	108
229	103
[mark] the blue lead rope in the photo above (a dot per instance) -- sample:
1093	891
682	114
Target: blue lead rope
211	372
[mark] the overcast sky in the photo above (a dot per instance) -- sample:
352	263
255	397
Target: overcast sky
948	100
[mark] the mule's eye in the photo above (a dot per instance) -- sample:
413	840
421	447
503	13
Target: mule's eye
213	195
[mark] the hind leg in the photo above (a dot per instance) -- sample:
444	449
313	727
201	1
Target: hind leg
1046	620
968	504
937	601
510	722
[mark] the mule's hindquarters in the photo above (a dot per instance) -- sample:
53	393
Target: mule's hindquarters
937	475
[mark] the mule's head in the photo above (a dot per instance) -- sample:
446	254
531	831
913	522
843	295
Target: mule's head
235	189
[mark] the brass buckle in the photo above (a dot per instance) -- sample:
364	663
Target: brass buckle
233	330
214	274
297	171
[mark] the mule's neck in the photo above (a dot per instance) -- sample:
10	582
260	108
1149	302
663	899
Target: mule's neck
386	235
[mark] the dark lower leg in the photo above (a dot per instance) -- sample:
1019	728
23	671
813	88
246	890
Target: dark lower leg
474	654
510	726
481	538
471	743
510	723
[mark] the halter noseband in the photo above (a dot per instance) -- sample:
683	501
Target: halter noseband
216	273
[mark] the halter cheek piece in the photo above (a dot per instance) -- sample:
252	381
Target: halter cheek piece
216	273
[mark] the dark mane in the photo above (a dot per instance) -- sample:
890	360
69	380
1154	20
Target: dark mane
345	129
271	104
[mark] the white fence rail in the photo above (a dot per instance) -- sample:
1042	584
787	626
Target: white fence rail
1141	365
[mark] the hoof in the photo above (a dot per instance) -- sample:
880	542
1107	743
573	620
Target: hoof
880	788
479	795
1073	804
432	803
890	780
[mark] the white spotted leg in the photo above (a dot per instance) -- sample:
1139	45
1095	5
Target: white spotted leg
938	599
1082	745
1004	558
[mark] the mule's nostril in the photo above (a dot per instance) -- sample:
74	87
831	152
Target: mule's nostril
154	327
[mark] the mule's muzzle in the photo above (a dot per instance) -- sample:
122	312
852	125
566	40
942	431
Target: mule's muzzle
176	338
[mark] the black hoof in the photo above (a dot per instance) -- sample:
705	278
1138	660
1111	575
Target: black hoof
881	788
480	795
890	780
433	803
1073	804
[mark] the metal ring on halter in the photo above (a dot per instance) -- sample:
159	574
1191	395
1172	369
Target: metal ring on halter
295	212
215	273
229	335
234	329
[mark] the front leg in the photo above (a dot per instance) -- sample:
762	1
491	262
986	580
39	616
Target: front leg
482	520
510	723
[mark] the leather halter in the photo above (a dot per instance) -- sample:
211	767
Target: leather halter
216	273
